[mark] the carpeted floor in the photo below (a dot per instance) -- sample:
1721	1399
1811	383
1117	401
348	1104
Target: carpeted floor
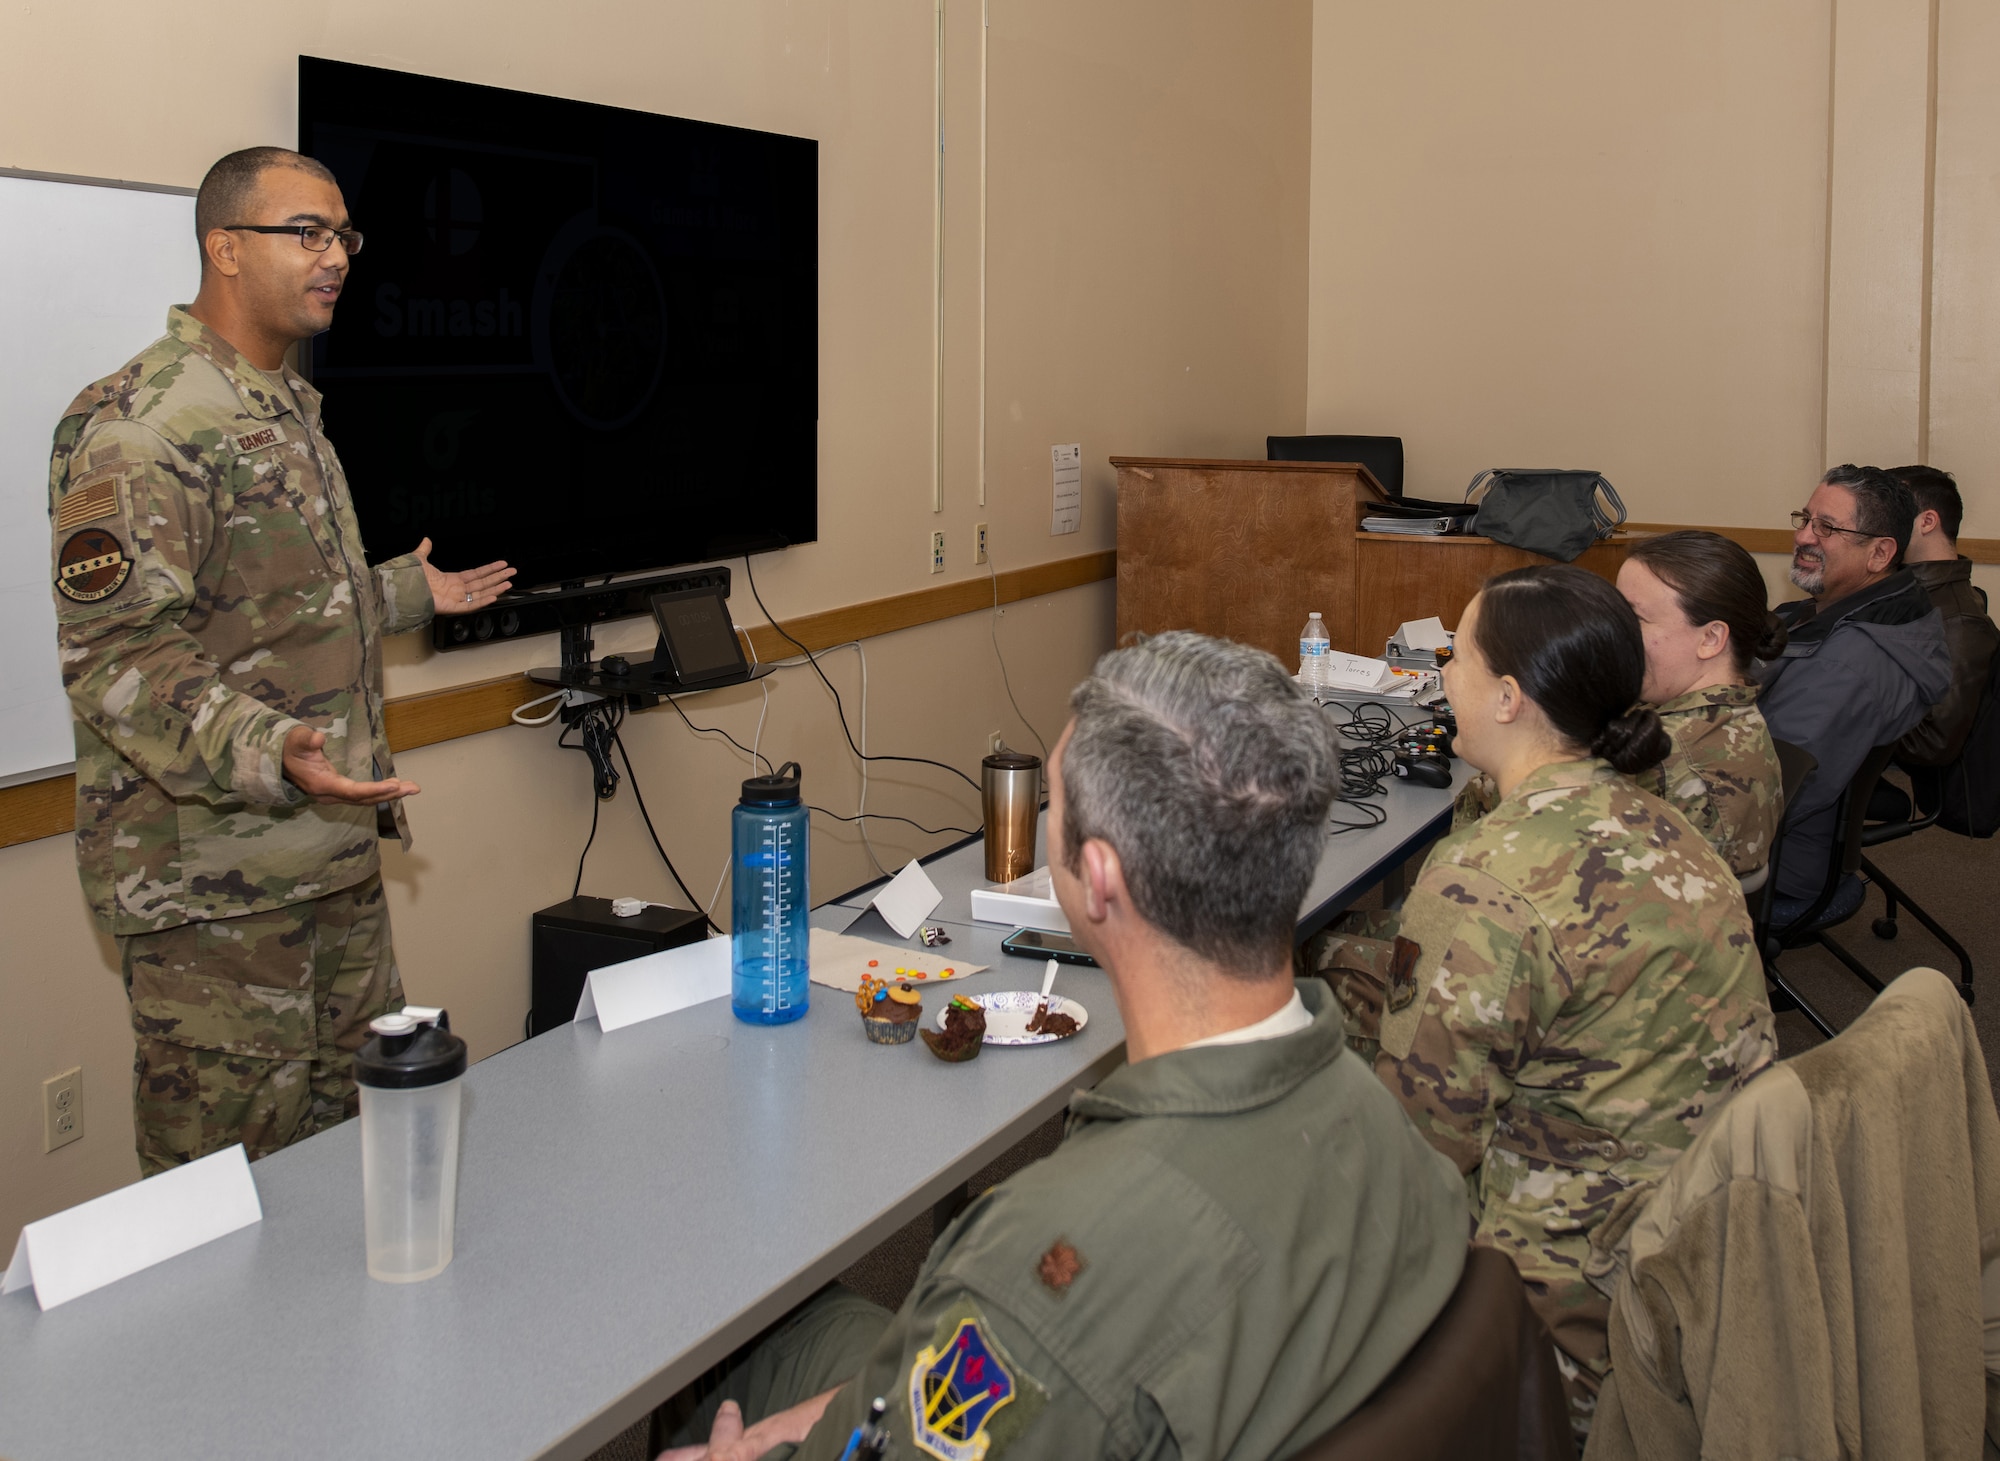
1956	879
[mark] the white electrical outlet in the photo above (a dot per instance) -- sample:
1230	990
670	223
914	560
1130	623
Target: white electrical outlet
62	1108
979	543
937	552
994	742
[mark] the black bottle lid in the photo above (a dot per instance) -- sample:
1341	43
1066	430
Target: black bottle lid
410	1050
779	789
1012	761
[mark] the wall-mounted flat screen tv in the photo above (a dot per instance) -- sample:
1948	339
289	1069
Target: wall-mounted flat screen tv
580	338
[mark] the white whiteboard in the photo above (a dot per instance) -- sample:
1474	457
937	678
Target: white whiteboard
87	272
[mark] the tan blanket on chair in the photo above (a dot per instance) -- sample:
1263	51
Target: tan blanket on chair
1819	1274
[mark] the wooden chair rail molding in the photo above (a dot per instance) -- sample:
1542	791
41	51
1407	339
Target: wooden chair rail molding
47	808
1779	540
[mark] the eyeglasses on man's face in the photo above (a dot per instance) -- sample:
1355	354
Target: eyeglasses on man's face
312	236
1825	527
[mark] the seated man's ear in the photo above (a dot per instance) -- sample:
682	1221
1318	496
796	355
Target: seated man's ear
1103	879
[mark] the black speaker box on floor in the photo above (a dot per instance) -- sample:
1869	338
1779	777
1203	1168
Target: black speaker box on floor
582	934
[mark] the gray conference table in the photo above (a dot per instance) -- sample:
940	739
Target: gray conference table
632	1207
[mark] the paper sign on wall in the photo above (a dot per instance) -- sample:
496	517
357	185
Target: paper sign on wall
1068	462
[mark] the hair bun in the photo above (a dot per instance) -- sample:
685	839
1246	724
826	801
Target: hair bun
1774	640
1633	742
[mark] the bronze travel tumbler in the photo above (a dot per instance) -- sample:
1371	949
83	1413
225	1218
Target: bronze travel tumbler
1010	784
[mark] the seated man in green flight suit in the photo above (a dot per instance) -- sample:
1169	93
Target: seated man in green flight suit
1241	1233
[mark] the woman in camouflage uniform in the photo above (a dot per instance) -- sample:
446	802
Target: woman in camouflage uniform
1572	986
1706	620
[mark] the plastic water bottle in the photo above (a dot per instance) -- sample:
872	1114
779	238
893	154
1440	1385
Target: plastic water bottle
408	1072
1313	647
769	935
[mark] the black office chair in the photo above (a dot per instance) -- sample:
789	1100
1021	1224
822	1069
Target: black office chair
1795	765
1481	1385
1912	820
1841	889
1381	455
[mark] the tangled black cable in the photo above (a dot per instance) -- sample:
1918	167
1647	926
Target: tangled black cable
840	707
597	727
1367	766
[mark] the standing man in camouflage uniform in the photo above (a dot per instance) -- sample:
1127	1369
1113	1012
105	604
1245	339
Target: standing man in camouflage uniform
220	638
1572	985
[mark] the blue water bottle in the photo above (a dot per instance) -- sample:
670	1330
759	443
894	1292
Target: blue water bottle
769	934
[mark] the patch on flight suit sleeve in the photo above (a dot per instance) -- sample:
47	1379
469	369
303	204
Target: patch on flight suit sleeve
257	440
968	1399
87	503
90	566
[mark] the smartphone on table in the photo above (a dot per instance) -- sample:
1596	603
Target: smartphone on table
1042	943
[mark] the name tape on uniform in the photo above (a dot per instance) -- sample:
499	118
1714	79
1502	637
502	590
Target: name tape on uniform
257	440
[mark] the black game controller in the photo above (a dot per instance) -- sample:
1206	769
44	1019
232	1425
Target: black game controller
1425	770
615	664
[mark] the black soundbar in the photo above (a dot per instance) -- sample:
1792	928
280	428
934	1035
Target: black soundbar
518	616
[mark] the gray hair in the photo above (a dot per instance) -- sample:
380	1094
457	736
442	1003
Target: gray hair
1208	771
1884	506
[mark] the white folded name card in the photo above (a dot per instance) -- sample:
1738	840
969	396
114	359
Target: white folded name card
1356	672
655	984
114	1236
908	899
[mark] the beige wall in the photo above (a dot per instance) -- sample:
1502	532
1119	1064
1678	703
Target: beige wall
1147	259
1696	246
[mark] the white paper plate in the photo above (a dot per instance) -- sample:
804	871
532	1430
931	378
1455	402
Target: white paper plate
1008	1013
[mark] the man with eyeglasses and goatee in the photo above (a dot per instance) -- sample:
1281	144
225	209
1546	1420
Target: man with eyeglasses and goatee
1865	658
220	633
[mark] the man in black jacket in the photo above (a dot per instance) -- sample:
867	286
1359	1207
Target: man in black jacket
1865	660
1969	635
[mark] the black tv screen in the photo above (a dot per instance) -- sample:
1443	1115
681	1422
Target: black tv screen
580	338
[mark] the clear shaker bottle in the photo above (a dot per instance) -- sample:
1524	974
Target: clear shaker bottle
769	936
409	1074
1313	647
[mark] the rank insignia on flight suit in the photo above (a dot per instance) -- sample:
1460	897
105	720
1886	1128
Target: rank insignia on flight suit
957	1388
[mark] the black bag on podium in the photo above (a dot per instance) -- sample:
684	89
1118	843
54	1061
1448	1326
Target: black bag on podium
1553	512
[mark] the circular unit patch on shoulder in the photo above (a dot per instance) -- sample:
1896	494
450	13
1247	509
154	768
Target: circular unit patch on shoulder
92	565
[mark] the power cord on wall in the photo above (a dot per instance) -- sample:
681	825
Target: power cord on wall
993	627
840	707
646	817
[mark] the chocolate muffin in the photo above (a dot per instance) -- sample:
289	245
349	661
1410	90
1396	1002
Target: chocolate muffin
964	1032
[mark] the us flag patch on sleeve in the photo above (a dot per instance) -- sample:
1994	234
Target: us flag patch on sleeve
82	505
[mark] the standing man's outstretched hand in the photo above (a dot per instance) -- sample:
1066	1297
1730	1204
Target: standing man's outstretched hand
463	593
307	768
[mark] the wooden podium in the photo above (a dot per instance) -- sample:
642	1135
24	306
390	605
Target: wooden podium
1245	550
